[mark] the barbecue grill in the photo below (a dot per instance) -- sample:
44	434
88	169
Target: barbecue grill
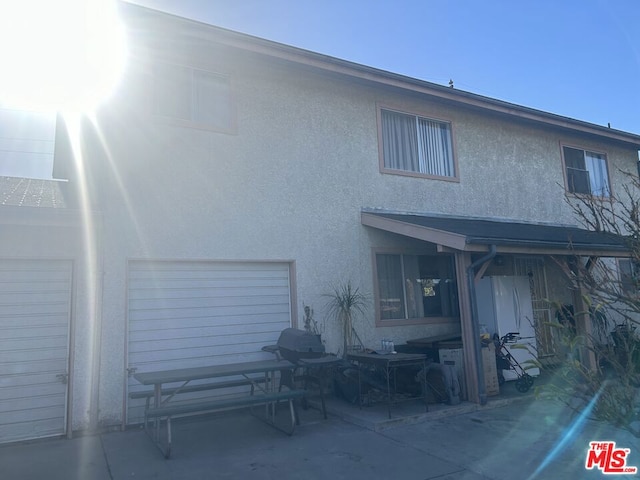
307	351
294	344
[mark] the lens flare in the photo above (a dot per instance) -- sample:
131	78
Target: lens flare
568	435
64	55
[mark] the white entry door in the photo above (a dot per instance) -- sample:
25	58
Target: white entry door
190	314
35	312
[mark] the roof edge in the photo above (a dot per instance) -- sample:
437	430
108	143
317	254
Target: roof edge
459	240
467	217
336	65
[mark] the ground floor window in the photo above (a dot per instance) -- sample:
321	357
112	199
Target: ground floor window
413	287
629	272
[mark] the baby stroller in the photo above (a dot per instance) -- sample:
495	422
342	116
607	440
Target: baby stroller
506	361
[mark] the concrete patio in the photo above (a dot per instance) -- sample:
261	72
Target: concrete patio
507	439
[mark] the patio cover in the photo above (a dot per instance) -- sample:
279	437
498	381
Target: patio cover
476	235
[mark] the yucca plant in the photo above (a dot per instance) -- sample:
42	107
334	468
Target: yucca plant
345	302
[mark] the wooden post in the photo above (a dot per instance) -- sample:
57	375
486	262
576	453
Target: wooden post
584	326
581	315
463	260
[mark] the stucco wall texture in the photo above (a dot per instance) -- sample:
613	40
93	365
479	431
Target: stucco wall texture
289	184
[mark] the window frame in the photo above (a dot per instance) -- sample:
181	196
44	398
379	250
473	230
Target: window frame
230	128
379	321
629	276
584	150
409	173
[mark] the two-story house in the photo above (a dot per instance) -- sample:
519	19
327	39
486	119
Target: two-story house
231	180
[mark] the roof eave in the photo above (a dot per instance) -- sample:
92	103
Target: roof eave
549	248
389	79
448	241
439	237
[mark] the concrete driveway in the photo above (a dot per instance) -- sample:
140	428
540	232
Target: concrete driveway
514	441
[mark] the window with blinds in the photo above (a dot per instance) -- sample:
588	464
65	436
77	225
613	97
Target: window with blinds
416	145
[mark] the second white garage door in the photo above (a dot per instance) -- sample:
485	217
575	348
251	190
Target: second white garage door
187	314
35	311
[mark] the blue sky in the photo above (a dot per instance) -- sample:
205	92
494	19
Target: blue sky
577	58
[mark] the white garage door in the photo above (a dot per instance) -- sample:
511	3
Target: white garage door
35	298
188	314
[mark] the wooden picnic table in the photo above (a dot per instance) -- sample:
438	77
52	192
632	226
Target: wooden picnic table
243	374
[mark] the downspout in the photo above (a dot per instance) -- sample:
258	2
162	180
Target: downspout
475	327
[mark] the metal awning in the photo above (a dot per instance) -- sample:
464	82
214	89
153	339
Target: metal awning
476	235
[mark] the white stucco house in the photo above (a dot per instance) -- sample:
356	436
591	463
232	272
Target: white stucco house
231	180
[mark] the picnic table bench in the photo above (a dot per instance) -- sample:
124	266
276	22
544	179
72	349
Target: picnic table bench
164	408
199	387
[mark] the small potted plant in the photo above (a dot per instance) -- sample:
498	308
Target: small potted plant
310	325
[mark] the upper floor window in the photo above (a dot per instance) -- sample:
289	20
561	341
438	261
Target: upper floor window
27	143
416	145
586	172
196	97
415	287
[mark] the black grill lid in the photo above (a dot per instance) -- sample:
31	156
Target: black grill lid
300	341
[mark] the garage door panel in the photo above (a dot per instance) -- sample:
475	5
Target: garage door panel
20	298
29	321
202	280
37	328
220	312
13	310
21	340
32	403
212	321
167	329
185	309
35	311
197	352
27	392
223	284
53	365
31	415
192	342
187	314
207	331
36	424
156	271
60	288
234	296
21	282
161	363
203	301
9	380
164	278
36	428
202	341
202	319
21	274
35	355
